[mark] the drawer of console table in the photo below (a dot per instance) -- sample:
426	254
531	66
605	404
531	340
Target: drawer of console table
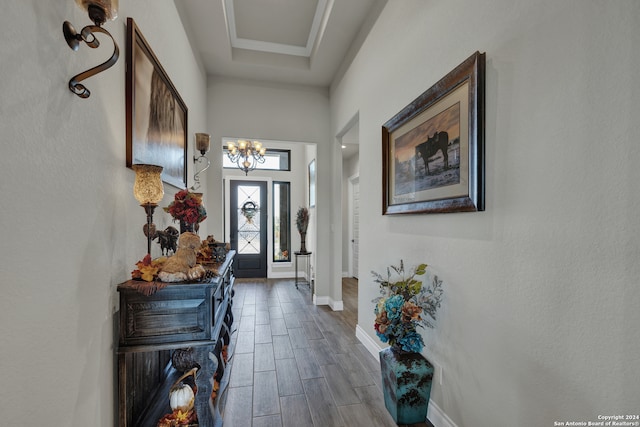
172	314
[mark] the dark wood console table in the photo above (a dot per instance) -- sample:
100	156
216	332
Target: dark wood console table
181	315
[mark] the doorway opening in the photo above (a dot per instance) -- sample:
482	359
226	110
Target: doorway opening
350	142
287	188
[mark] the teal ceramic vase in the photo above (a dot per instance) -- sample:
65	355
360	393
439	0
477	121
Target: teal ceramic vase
406	385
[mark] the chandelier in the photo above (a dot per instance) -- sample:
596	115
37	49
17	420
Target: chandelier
246	154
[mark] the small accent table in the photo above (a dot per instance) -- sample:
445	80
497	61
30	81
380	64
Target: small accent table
307	280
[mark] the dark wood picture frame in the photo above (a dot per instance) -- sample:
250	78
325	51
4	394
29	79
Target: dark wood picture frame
156	114
433	150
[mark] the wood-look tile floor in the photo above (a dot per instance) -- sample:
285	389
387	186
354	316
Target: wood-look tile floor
295	364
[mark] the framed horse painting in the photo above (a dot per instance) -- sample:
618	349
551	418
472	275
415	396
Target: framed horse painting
156	114
433	150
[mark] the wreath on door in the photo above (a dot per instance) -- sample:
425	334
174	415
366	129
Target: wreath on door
249	210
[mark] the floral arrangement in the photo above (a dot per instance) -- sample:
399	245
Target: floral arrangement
147	268
302	220
400	309
187	207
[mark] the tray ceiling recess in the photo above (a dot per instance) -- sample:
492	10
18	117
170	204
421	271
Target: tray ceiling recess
260	26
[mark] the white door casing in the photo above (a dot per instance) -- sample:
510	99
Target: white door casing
354	224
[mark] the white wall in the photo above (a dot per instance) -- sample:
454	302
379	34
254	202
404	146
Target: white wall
540	317
71	228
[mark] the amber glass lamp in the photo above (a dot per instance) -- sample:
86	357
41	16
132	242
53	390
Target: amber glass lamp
148	191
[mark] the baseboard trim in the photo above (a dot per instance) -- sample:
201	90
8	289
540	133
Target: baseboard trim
336	305
280	275
436	416
320	300
368	342
326	300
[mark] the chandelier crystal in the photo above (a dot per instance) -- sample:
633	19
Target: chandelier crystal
246	154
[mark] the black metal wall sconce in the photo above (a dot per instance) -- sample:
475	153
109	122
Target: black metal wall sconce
99	12
203	141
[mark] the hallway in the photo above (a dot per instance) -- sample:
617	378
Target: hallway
299	365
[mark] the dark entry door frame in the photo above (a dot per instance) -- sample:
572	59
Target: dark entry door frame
248	226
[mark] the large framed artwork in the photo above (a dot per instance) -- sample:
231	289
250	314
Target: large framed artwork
156	114
433	150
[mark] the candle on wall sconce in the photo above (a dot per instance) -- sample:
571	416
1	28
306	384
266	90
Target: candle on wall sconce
203	143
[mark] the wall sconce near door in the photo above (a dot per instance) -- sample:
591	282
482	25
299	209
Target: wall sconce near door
203	142
99	12
246	154
148	191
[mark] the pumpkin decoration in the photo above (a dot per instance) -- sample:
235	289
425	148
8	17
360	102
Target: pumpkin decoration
181	397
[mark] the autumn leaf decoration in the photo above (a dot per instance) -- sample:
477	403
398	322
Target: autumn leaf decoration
147	268
216	384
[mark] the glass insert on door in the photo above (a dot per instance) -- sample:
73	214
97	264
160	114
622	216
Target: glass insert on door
248	219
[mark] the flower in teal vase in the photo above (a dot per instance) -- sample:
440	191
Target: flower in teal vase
411	342
382	337
405	304
393	306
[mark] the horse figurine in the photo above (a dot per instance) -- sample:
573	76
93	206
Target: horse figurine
168	240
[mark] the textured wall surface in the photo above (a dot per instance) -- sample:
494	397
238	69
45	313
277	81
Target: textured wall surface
539	322
71	228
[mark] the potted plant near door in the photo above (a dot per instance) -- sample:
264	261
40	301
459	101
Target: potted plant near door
302	222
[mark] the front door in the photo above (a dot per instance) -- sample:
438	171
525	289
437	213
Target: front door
248	223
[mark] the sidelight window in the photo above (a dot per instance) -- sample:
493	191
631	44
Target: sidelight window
281	221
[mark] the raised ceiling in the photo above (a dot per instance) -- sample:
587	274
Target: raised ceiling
286	41
259	26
